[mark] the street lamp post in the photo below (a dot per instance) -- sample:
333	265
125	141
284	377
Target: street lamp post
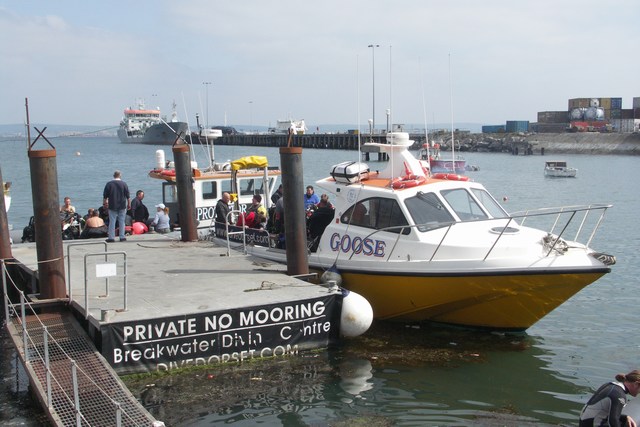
206	85
250	115
373	82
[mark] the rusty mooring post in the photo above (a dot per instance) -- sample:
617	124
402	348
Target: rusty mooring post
46	212
295	230
186	198
48	229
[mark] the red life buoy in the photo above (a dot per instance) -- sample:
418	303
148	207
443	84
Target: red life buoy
407	181
450	176
168	172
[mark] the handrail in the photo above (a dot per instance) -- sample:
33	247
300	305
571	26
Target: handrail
69	245
244	235
17	313
86	281
572	211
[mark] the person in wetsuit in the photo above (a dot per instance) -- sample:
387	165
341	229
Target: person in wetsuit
605	406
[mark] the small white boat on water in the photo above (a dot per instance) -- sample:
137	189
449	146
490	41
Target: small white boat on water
559	169
440	248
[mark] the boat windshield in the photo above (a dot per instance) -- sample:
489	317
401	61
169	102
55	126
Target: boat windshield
489	203
428	211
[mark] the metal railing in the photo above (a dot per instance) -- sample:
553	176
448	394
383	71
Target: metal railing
36	356
571	213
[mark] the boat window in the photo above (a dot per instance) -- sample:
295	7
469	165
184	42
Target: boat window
246	187
464	205
225	186
489	203
209	190
428	211
377	213
169	192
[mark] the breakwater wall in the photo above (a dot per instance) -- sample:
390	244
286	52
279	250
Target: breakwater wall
581	143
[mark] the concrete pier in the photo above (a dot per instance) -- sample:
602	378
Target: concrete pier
156	303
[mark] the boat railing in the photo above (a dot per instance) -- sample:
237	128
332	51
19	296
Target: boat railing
564	219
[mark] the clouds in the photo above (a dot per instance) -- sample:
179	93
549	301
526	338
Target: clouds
268	60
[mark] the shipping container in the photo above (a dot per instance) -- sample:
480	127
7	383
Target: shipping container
616	103
636	103
615	114
626	114
579	103
636	113
493	129
514	126
625	125
548	127
605	103
553	116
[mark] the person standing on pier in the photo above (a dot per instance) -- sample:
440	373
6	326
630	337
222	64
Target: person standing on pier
222	208
116	193
605	406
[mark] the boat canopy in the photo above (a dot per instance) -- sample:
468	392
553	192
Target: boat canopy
249	162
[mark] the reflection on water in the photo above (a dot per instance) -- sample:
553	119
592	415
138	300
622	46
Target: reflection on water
393	375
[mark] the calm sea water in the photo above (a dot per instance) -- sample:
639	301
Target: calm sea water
394	374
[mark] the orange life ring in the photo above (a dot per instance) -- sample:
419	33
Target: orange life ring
407	181
450	176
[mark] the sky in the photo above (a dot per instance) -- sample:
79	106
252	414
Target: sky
252	62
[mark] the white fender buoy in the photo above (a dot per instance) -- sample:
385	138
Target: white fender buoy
356	315
331	275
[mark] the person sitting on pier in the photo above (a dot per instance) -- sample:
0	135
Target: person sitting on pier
319	220
94	227
310	198
161	220
66	207
139	212
103	211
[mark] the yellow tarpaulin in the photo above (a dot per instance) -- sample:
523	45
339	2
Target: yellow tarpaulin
249	162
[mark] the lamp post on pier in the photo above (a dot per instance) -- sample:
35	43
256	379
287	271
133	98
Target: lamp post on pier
373	83
206	85
250	115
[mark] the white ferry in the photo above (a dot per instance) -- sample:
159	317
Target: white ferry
145	126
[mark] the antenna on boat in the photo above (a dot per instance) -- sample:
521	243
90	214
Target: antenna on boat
453	141
358	106
424	114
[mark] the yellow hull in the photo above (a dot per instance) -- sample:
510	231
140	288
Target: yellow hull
511	302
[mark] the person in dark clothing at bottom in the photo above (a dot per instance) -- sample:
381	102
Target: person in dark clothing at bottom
605	406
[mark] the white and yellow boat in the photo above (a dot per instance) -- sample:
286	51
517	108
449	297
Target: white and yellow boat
440	248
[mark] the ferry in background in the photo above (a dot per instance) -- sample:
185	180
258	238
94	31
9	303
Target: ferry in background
144	126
